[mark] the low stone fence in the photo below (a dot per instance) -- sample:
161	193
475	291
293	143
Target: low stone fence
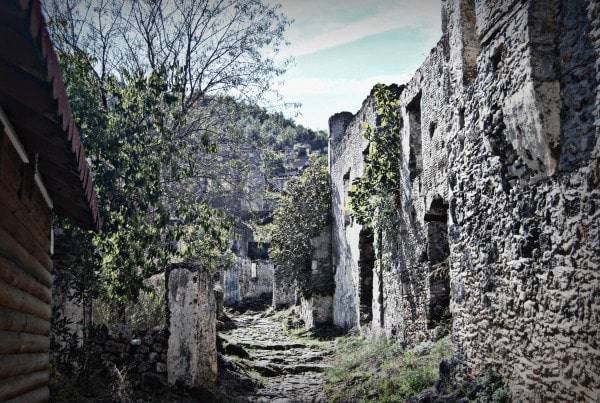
141	356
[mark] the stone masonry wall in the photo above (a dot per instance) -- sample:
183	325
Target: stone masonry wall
142	354
192	348
500	186
346	146
525	239
316	309
247	279
284	289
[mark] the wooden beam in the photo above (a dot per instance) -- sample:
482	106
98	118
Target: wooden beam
16	321
35	396
23	229
20	384
20	364
18	300
19	50
12	250
18	343
29	90
14	276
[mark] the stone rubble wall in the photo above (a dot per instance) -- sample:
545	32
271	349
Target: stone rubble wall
284	290
316	309
255	285
239	283
192	348
346	146
500	186
525	239
230	282
141	355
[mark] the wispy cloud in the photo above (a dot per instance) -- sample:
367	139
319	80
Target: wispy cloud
325	24
344	47
317	86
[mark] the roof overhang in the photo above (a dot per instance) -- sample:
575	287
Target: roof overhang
34	99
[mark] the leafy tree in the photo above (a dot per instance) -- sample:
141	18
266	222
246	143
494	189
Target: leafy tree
130	146
303	212
140	76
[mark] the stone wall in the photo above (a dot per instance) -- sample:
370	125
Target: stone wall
256	279
284	289
247	279
346	146
143	355
251	275
498	217
525	239
192	349
316	309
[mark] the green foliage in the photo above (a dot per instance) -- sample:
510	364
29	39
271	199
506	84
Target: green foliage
303	211
254	148
129	127
371	193
381	370
150	309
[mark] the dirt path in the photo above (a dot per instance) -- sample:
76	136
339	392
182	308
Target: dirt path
292	369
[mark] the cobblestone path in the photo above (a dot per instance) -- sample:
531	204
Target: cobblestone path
292	370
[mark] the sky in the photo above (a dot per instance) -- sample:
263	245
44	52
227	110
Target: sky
341	48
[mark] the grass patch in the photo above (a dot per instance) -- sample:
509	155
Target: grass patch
382	371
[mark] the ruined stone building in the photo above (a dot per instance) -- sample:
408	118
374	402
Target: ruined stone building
251	274
498	220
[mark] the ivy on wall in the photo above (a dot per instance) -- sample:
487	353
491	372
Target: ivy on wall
373	195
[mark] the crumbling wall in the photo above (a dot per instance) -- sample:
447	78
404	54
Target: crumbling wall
525	237
284	289
412	285
230	282
346	161
393	279
247	279
316	307
252	274
498	215
192	349
142	355
256	279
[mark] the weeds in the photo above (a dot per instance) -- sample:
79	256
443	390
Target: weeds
382	371
148	311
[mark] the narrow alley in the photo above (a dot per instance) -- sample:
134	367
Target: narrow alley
290	368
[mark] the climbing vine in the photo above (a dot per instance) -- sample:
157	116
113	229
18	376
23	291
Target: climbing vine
370	194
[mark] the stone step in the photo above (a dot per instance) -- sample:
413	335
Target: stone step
271	346
268	369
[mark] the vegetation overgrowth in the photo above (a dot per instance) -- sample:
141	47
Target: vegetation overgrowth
303	212
370	193
380	370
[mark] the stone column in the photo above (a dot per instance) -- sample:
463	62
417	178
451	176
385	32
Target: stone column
192	353
317	310
284	289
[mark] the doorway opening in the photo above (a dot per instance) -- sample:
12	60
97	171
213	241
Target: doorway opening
366	264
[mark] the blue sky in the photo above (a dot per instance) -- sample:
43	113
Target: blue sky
343	48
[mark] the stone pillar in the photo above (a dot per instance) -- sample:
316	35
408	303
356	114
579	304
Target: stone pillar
317	310
219	301
192	353
284	289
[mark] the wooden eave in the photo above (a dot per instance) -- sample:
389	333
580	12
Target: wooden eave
33	96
